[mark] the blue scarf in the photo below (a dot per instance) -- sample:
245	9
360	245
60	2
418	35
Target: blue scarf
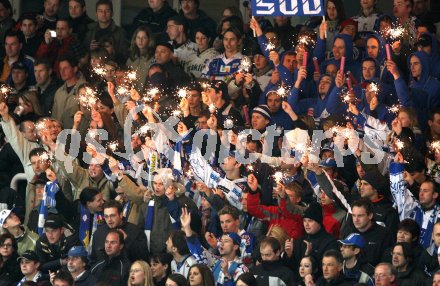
84	233
47	202
218	268
425	233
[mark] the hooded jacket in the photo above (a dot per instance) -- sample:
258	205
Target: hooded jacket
314	106
434	56
423	94
350	64
112	270
273	273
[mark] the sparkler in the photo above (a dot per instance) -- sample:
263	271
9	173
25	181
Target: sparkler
177	113
245	64
394	109
399	144
88	98
282	91
112	146
92	133
278	176
373	87
396	32
41	125
44	156
270	47
182	93
4	92
131	75
100	70
229	123
123	90
306	41
435	146
250	168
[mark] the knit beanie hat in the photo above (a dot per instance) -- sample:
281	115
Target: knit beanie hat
376	180
264	111
314	211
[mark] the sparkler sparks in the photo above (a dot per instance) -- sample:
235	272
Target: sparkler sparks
44	156
373	87
229	123
182	93
282	91
4	92
88	98
245	64
399	144
177	113
131	75
435	146
92	133
278	176
99	70
396	32
394	109
41	125
270	47
306	41
112	146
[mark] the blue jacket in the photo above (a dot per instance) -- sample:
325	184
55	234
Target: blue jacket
350	64
434	56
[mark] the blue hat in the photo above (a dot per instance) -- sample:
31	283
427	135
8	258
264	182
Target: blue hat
235	237
77	251
328	163
354	239
264	111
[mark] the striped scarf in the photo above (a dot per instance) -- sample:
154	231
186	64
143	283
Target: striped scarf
84	233
47	202
149	221
35	279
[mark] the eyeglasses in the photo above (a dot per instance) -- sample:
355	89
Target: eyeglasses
7	245
135	270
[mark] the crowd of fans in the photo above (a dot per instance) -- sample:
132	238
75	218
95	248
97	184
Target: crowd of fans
182	151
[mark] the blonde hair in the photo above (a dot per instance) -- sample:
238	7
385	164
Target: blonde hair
279	234
148	280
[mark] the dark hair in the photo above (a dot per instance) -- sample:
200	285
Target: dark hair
234	21
312	259
21	127
118	233
230	210
368	59
204	30
18	34
296	187
43	61
134	50
68	57
205	271
28	16
5	236
272	242
248	278
429	26
114	204
67	20
237	33
339	9
162	258
7	5
36	152
407	250
105	2
29	283
364	203
64	276
178	239
177	278
335	254
87	195
412	227
180	21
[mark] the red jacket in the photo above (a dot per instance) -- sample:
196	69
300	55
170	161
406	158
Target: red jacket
276	215
54	51
332	218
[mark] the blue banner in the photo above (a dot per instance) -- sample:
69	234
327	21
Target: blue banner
287	8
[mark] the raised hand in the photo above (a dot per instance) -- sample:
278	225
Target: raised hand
252	182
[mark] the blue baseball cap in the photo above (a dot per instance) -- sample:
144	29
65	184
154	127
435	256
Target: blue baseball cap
354	239
328	163
77	251
235	237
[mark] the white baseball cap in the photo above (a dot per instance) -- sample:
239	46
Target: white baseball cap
3	216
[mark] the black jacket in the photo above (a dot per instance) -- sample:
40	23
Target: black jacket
135	245
46	96
377	239
340	281
50	254
273	273
10	273
156	21
87	279
411	277
321	242
112	270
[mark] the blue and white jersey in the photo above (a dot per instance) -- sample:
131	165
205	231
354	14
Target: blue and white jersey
222	68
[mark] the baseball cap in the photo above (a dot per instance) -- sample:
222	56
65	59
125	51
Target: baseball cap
328	163
354	239
3	216
77	251
425	41
235	237
53	221
29	255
